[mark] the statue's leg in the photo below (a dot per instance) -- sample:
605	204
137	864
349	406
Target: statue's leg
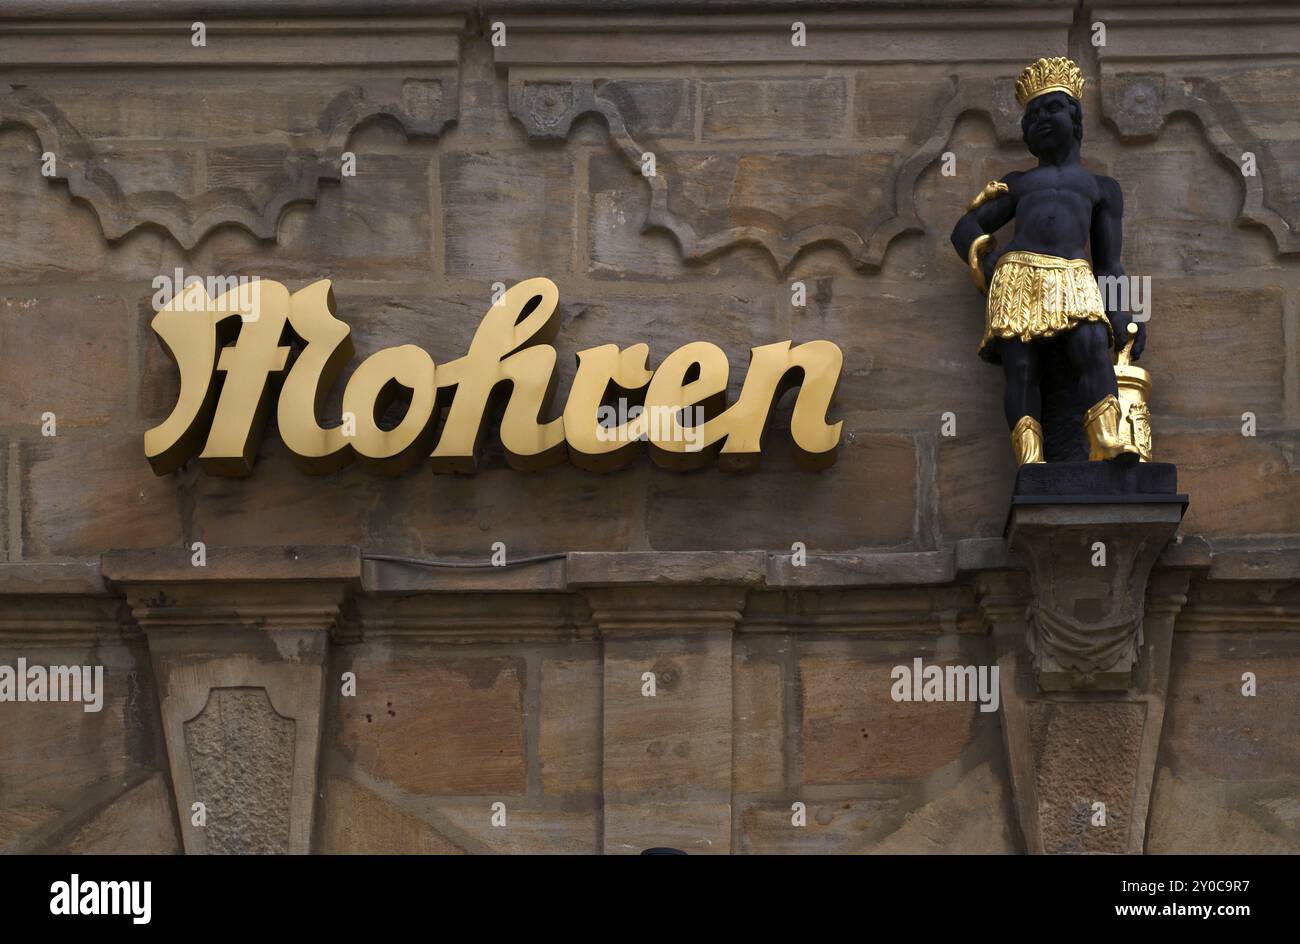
1088	350
1023	398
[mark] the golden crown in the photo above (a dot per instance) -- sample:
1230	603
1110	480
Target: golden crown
1057	74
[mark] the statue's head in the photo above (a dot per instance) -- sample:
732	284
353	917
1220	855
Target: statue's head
1050	121
1050	90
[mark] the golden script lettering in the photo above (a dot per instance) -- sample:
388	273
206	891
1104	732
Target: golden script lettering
245	339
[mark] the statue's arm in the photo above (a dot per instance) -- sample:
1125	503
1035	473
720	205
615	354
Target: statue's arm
1107	239
1108	229
987	218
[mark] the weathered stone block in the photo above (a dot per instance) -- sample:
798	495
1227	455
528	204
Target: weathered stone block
1215	732
681	737
377	225
66	355
569	736
1200	816
667	757
280	500
773	108
359	822
1215	352
83	494
867	499
240	752
759	756
853	731
38	216
653	108
507	216
529	828
432	724
834	826
975	475
899	102
1246	485
60	760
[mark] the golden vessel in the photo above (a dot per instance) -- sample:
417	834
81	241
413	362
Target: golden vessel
1134	389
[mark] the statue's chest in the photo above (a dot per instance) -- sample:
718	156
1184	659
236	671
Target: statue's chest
1072	186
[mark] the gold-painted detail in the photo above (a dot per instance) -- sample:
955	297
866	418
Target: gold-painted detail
1134	393
992	189
1027	440
1037	296
1057	74
1101	423
980	247
685	420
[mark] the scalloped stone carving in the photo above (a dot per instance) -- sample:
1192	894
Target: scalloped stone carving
129	187
1140	103
717	197
1157	64
167	146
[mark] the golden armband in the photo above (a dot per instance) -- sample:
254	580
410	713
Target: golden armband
994	188
979	248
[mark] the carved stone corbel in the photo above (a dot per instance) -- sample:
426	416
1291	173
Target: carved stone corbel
1084	651
1088	565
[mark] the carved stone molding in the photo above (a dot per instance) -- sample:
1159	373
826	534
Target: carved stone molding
293	91
1242	606
59	604
1229	65
894	611
665	610
470	618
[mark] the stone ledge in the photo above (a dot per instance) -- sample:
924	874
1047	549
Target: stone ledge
20	578
230	564
685	568
583	569
380	575
125	9
1246	563
863	570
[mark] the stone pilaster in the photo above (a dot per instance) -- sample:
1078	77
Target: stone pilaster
667	755
239	651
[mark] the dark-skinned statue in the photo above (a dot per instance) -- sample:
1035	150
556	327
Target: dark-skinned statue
1046	319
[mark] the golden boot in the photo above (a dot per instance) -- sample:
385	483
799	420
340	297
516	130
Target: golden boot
1101	423
1027	440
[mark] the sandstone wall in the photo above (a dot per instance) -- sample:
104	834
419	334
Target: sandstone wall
478	164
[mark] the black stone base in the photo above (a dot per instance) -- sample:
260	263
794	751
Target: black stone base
1103	482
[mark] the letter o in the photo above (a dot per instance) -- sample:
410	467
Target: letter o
371	389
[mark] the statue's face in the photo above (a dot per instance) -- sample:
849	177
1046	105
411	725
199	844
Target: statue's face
1048	123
